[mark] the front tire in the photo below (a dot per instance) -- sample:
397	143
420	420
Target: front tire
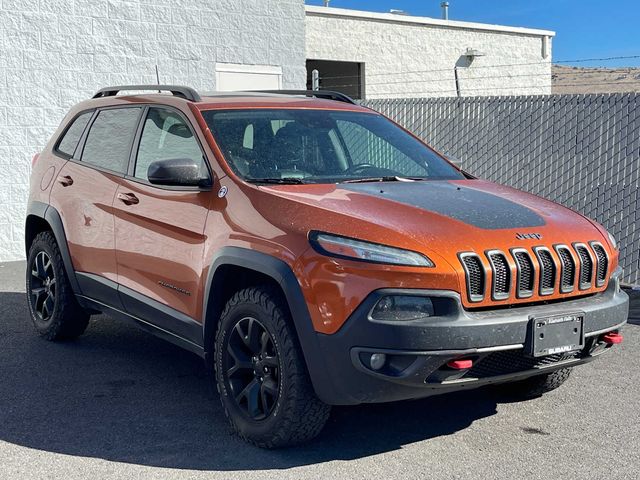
534	387
54	310
260	373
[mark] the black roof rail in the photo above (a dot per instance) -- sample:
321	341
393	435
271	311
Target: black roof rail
187	93
324	94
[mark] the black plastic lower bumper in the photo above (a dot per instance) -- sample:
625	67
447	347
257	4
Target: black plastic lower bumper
417	351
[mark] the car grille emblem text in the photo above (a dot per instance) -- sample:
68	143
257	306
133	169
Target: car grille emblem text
528	236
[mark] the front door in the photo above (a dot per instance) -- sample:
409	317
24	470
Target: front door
159	230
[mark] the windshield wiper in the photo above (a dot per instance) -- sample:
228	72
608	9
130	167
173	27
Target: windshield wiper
278	181
393	178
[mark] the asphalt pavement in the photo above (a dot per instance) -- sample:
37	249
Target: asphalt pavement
119	403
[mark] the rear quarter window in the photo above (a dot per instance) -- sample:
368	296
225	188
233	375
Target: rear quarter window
70	138
108	143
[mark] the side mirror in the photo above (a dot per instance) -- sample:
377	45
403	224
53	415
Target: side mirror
178	172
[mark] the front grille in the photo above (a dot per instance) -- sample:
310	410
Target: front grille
501	275
567	278
550	274
525	271
474	271
602	263
547	271
586	266
513	361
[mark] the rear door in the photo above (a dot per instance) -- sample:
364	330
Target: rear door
83	195
159	230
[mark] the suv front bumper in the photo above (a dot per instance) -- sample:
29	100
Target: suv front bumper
417	351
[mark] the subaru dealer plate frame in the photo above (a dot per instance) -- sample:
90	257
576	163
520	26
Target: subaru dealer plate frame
556	334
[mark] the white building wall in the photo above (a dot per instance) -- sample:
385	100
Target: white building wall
415	56
54	53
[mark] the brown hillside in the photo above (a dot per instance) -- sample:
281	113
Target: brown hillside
595	80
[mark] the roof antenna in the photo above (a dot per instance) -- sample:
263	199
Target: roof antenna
158	78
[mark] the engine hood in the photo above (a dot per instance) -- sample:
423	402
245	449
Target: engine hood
438	218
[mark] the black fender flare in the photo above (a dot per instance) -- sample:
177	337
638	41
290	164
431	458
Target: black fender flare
282	274
50	215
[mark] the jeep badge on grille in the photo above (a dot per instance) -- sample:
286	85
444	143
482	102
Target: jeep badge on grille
528	236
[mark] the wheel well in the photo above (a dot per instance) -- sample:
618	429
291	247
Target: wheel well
33	226
227	280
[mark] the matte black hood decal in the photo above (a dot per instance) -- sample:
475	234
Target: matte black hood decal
474	207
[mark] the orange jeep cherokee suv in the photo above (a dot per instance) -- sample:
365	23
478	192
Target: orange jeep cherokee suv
313	252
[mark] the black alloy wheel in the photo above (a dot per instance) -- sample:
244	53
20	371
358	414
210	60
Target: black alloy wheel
251	366
43	286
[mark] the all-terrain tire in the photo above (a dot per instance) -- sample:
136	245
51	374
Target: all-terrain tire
65	319
297	414
534	387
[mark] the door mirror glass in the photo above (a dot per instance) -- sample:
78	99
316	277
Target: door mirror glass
182	172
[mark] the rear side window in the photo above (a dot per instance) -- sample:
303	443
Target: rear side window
69	141
109	140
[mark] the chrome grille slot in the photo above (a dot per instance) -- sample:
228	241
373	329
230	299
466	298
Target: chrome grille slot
548	270
602	263
586	266
501	285
568	270
475	275
525	273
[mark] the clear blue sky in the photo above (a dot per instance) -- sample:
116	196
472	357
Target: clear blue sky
584	28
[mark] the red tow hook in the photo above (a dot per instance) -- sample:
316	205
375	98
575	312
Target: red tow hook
612	338
460	364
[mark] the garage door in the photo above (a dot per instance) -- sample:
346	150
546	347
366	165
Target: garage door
230	77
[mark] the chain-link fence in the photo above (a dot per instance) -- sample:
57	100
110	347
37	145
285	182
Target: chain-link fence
582	151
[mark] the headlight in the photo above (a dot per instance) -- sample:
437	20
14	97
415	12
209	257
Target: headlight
612	241
344	247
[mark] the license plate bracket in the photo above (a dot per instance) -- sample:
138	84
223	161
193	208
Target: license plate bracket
555	334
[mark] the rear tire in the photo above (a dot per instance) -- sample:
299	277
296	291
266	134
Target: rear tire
53	307
534	387
261	375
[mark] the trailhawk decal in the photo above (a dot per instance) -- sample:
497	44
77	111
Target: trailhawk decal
474	207
173	287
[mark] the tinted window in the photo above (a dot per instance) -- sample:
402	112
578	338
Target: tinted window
71	137
109	139
166	136
322	146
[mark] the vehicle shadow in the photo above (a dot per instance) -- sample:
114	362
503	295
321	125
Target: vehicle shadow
122	395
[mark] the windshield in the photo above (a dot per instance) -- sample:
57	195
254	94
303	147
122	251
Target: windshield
321	146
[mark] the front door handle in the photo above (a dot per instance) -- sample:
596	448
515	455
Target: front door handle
65	180
128	198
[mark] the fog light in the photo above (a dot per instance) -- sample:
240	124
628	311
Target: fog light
377	361
402	308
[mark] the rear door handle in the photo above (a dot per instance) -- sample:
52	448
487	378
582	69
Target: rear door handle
128	198
65	180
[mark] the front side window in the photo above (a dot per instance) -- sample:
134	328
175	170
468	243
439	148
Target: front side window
69	141
109	140
321	146
166	136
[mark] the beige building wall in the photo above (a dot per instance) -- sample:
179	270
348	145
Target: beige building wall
408	56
